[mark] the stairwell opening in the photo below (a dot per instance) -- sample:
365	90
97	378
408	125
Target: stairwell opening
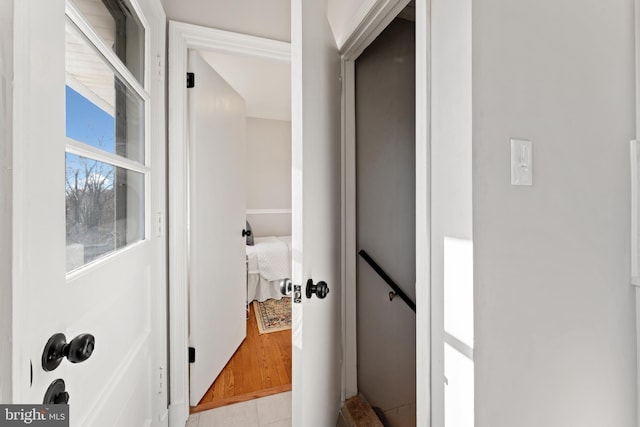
385	220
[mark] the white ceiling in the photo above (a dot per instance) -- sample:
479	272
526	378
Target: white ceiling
264	84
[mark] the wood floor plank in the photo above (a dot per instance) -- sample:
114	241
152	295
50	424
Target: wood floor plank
260	367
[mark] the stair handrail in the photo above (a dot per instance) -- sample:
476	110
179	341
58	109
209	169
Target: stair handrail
396	289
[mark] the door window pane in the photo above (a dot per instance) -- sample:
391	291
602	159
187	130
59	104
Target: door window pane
101	110
117	24
104	209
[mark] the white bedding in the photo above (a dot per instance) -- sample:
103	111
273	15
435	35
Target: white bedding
268	261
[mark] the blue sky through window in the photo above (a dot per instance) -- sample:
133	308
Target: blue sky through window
88	123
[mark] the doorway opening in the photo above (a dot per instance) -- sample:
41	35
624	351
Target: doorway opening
385	220
257	176
217	197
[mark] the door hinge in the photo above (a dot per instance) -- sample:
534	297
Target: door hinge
160	379
160	67
192	355
159	224
191	80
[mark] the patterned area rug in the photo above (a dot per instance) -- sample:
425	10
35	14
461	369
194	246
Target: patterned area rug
273	315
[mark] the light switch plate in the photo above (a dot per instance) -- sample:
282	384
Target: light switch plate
521	162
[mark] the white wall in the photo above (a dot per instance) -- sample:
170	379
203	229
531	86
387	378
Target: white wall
451	200
6	117
555	335
269	19
268	165
344	15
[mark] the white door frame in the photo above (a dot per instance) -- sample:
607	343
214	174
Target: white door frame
183	37
375	21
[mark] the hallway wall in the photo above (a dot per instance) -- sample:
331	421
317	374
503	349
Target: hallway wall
269	19
451	210
6	141
343	13
555	316
385	204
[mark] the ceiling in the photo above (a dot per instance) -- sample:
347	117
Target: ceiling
264	84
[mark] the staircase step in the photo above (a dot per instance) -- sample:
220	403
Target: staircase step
356	412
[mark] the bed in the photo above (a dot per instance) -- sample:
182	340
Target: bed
268	262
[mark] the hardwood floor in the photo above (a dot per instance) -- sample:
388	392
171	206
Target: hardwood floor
260	367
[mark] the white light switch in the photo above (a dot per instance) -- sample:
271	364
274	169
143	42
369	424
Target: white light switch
521	162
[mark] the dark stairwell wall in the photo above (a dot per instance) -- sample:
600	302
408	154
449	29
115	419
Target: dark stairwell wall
385	162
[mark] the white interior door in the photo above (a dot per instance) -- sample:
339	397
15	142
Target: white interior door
85	258
316	215
217	207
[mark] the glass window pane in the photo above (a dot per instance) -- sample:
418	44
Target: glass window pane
101	110
104	209
117	24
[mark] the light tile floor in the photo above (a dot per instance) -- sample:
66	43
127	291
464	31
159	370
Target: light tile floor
270	411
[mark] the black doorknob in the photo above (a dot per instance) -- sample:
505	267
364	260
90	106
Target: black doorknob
78	350
56	393
321	289
246	233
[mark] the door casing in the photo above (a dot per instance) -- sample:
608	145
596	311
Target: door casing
183	37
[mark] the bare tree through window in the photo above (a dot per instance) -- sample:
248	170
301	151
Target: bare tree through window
90	204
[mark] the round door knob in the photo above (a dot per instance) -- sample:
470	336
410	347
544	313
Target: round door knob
285	286
321	289
81	348
78	350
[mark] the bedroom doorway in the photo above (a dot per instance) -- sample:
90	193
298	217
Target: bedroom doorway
261	365
238	359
